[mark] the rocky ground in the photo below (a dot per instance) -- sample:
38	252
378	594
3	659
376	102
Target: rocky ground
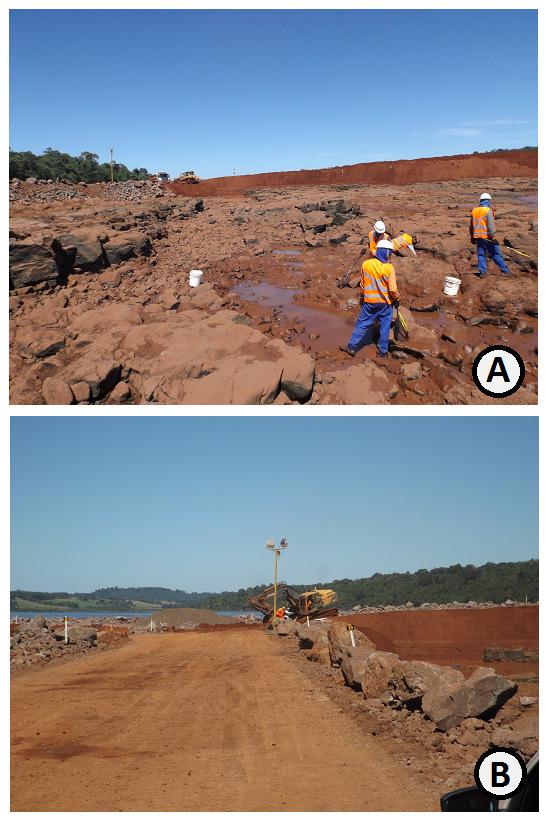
36	642
431	716
101	310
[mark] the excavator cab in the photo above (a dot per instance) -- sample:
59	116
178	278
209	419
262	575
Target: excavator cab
316	599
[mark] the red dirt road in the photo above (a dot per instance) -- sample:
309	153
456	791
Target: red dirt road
514	163
195	722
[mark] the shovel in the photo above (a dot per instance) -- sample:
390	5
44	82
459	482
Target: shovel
341	282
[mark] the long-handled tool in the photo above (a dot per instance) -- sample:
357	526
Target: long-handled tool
341	282
401	329
517	251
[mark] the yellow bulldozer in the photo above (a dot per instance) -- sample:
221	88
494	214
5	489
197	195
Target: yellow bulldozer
316	603
187	177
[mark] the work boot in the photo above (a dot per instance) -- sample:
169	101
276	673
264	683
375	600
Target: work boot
348	351
507	274
480	274
382	354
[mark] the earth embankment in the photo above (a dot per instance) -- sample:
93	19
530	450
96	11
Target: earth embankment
201	722
181	615
454	636
514	163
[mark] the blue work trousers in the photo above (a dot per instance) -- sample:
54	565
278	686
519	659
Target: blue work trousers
487	248
370	313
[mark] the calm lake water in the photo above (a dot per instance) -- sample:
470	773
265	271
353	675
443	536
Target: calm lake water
52	615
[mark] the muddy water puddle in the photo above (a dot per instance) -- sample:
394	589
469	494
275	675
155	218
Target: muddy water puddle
322	329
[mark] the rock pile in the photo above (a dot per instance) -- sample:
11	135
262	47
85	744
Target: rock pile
49	191
36	642
431	606
419	697
44	191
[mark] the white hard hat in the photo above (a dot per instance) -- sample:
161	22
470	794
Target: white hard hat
485	196
385	244
379	227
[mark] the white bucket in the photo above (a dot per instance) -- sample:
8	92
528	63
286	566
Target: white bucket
451	286
195	277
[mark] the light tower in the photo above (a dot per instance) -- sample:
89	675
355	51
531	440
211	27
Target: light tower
271	545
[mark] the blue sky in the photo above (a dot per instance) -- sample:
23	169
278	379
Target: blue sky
260	91
189	502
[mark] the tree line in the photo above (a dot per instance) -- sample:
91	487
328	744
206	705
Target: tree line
55	165
490	582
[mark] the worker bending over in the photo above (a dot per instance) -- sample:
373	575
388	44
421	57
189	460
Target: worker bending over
377	233
379	294
482	233
404	241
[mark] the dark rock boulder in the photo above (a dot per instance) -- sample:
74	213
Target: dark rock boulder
315	222
29	264
480	695
85	251
125	246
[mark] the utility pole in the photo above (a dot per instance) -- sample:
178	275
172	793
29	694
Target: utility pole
271	545
111	167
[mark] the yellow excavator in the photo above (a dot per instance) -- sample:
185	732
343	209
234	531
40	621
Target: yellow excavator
316	603
187	177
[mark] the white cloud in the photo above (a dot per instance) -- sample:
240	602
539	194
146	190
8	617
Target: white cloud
474	124
459	131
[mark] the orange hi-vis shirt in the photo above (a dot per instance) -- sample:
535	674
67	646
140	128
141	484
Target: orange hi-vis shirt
373	241
401	240
378	282
481	222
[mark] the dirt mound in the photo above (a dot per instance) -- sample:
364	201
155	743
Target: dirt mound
518	163
186	614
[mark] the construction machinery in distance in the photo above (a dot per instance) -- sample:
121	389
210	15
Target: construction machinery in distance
316	603
188	177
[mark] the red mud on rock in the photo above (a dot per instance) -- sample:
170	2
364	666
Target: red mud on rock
518	163
101	311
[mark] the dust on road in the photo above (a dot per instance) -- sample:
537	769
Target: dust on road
195	722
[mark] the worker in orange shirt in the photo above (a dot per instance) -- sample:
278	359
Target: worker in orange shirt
377	233
379	294
482	233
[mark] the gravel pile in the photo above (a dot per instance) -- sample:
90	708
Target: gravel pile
453	605
48	191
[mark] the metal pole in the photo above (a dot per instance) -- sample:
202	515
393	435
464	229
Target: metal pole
111	168
276	556
66	630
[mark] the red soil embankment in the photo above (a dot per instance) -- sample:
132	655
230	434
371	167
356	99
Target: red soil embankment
453	636
513	163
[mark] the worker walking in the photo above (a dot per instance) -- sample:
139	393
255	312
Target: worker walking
482	233
377	233
379	294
